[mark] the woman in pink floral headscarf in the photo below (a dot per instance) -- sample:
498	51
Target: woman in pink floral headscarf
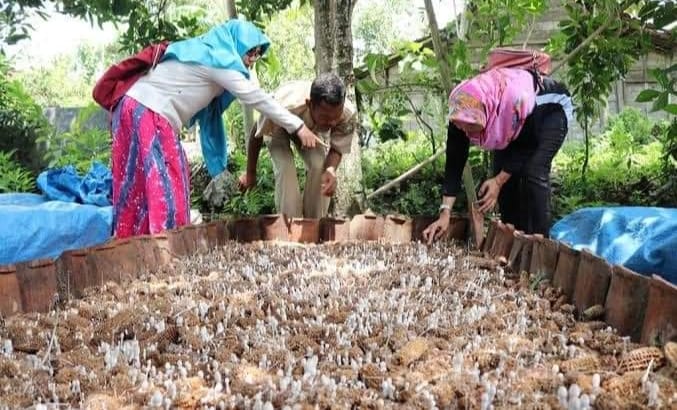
522	119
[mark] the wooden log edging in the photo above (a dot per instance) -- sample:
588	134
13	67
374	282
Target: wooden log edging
566	271
637	306
592	281
626	301
660	316
33	286
544	257
10	292
643	308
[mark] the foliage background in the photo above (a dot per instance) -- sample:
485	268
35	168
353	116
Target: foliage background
21	121
632	161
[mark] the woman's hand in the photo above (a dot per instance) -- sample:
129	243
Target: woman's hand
437	229
307	137
489	194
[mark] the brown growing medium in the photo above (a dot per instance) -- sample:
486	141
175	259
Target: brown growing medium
359	324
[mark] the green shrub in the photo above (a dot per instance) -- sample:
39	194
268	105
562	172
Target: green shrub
21	121
626	167
420	194
636	125
199	178
234	123
386	161
260	199
13	177
81	146
257	201
669	141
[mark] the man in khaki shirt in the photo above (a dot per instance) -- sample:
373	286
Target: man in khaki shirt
324	109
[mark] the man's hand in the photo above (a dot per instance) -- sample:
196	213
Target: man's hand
307	137
328	182
489	194
247	181
437	229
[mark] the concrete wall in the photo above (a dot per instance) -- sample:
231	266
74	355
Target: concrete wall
62	118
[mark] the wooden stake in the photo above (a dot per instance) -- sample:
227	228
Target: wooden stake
407	174
477	219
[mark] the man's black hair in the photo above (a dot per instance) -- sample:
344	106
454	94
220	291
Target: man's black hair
328	88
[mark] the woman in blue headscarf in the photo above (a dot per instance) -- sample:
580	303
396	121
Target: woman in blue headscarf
195	81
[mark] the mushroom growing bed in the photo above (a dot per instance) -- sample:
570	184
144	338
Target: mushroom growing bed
368	324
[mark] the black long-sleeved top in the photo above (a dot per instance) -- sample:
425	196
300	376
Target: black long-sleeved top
457	154
458	146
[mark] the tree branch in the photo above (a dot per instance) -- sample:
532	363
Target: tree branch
437	45
583	44
421	121
407	174
410	86
531	30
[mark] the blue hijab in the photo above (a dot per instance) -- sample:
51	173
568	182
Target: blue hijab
221	47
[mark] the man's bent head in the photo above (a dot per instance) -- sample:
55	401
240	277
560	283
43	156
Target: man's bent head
327	95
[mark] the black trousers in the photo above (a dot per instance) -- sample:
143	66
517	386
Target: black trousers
525	200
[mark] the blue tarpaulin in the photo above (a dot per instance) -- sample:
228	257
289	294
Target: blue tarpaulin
73	213
64	184
640	238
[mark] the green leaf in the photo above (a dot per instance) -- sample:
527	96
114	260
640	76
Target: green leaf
367	86
666	15
671	108
660	103
661	77
647	95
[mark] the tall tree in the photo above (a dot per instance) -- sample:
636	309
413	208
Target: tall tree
248	112
334	53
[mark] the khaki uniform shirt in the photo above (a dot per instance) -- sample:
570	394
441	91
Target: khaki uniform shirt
293	96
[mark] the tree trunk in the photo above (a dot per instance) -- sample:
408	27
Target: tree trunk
325	35
231	9
247	112
334	53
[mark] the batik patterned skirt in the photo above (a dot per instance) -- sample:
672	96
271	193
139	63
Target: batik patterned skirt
151	180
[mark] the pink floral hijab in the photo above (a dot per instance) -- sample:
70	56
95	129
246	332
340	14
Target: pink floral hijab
499	100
